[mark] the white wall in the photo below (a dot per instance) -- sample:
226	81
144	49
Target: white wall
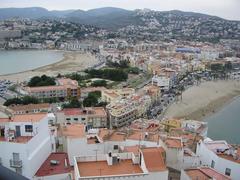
206	157
65	176
33	153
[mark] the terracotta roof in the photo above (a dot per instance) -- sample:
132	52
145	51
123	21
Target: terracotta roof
93	111
101	168
154	159
20	139
29	107
47	169
133	149
73	130
173	143
36	117
205	173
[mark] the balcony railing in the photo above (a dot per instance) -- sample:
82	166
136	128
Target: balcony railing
16	163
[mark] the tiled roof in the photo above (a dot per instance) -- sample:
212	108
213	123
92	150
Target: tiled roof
36	117
47	169
154	159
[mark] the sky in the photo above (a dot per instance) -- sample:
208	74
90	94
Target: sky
228	9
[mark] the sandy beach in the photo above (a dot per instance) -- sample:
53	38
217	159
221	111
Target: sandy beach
72	62
204	100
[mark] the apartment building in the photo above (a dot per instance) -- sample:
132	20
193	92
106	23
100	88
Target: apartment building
63	89
220	156
109	95
146	163
123	111
25	142
91	117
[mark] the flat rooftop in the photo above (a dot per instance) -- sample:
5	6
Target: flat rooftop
101	168
205	173
36	117
20	139
62	167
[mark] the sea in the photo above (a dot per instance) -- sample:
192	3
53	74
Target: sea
14	61
225	124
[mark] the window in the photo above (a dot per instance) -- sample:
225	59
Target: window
28	128
75	119
228	172
213	164
68	119
115	147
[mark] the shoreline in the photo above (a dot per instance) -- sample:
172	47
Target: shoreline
201	105
72	61
37	68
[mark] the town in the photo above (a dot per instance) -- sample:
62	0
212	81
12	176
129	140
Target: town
109	120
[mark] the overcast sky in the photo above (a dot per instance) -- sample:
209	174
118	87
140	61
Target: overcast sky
229	9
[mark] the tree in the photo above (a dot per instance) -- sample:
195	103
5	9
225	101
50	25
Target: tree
74	103
24	100
99	83
41	81
92	99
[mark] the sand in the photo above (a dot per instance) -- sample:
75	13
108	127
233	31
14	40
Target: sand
72	62
201	101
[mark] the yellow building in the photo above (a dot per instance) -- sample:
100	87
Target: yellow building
172	123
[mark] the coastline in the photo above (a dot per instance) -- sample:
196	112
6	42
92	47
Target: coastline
72	61
200	102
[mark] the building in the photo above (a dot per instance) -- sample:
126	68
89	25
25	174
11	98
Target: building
92	117
147	163
162	81
174	151
25	143
202	173
10	34
220	156
64	88
77	141
123	111
109	95
55	167
30	108
195	127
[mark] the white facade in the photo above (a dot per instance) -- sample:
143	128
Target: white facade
210	158
162	81
26	157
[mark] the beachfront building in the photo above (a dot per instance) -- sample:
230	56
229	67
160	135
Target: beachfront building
162	81
30	108
195	127
55	167
63	89
123	111
91	117
109	95
25	142
202	173
144	164
221	156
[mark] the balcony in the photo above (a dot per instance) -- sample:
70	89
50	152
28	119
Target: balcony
16	163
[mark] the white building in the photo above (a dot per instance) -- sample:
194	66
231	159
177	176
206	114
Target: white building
221	156
202	173
77	142
145	164
162	81
25	143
